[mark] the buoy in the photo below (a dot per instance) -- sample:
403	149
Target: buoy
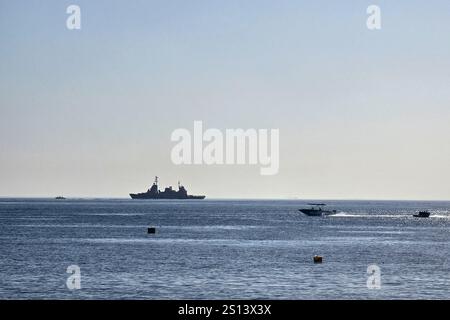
151	230
317	259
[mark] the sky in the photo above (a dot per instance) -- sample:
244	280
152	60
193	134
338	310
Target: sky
362	114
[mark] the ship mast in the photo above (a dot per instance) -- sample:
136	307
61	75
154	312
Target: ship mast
156	181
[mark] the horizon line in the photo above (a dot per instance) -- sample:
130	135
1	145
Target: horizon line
224	198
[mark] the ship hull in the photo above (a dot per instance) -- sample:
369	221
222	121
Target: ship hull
317	213
144	196
421	216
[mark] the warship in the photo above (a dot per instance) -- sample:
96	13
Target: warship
168	193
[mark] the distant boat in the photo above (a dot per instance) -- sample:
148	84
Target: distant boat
168	193
422	214
60	198
317	211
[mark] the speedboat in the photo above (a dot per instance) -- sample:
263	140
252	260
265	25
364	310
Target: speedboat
422	214
317	211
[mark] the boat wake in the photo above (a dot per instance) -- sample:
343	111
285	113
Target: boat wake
397	216
345	214
440	216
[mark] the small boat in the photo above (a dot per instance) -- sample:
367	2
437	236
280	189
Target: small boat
60	198
317	259
422	214
317	211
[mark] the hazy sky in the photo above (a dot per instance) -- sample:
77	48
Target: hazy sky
362	114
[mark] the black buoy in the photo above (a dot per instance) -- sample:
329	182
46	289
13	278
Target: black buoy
151	230
317	259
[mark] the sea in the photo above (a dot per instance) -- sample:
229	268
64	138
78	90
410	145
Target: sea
222	249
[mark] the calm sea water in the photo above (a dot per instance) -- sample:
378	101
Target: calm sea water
222	249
